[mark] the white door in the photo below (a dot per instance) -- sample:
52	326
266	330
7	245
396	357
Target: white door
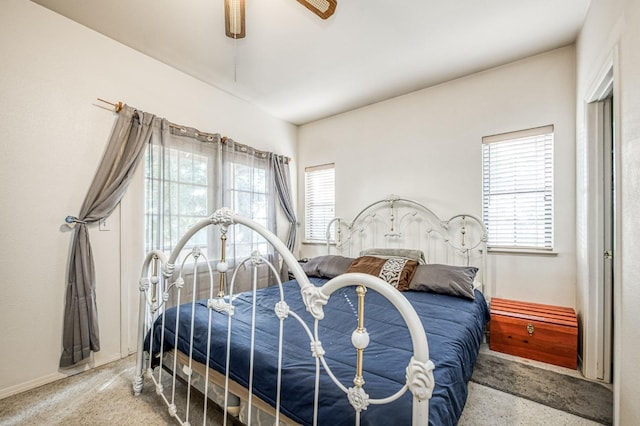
597	324
608	215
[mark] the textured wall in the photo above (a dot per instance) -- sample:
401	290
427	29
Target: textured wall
53	133
427	146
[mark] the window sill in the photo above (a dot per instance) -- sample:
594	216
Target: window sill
525	252
317	243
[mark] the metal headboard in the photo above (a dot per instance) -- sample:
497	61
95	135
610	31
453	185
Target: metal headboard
396	222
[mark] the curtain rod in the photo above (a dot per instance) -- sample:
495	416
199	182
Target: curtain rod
117	106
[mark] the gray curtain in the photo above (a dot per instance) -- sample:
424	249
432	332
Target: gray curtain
124	152
279	166
280	172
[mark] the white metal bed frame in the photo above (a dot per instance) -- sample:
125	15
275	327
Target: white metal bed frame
161	276
396	222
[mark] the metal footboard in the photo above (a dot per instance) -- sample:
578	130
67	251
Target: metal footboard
161	280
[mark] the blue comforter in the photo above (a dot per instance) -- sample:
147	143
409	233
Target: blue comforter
454	329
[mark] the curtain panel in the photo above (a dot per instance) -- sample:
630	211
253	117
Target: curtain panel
282	181
248	189
182	186
124	152
188	176
280	169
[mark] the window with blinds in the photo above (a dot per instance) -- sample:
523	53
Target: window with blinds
319	205
517	189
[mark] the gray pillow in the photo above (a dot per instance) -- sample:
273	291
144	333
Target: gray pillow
328	266
445	279
387	253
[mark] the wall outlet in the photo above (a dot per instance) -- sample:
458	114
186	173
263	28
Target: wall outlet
103	225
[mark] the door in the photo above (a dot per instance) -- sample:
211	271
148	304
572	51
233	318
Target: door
597	322
608	215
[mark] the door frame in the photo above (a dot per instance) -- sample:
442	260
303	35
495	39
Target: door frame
597	363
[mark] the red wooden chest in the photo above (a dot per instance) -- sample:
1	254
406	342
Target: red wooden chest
541	332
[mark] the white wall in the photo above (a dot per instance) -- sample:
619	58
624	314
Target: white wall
611	34
53	133
427	146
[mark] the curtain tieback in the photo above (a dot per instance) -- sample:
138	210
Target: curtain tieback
73	219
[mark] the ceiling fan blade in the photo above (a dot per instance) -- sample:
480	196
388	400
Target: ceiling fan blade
322	8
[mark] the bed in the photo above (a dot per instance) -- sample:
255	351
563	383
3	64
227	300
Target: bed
383	329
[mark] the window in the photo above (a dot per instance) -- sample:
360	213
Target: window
179	182
517	189
319	184
187	181
249	196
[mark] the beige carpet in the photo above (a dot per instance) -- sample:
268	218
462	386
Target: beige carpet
104	397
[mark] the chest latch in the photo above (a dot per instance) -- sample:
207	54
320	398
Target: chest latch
530	329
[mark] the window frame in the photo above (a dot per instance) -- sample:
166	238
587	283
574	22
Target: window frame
534	185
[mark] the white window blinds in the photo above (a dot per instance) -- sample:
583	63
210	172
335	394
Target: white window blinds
517	187
319	184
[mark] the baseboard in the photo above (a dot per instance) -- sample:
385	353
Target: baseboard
49	378
31	384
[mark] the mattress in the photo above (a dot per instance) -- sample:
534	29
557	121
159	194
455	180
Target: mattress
454	328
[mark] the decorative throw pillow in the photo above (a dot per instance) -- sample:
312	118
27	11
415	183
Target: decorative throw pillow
445	279
328	266
397	271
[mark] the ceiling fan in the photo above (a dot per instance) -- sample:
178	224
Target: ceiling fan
234	14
